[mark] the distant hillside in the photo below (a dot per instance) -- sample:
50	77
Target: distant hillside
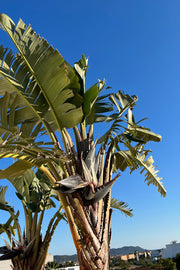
113	251
125	250
65	258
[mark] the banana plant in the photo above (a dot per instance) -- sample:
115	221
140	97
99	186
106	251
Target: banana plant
28	249
47	121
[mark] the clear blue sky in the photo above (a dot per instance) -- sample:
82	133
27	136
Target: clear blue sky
135	45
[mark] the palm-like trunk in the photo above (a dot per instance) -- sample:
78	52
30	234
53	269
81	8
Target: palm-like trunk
89	219
29	250
95	237
32	256
91	232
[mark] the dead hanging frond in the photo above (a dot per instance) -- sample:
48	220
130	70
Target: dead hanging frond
149	169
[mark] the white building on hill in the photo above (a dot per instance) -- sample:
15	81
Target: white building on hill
171	250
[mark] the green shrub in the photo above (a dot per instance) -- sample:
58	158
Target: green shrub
167	264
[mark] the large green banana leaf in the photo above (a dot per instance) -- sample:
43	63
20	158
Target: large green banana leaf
41	85
32	191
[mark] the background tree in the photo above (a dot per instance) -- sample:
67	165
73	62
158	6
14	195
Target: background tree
166	264
177	261
116	261
28	249
42	94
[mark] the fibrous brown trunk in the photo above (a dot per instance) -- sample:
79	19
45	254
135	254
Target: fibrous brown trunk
93	225
98	260
87	207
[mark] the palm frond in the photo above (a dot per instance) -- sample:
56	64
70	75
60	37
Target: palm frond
40	76
99	110
123	101
147	166
29	152
137	158
139	133
122	160
119	120
122	207
16	169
